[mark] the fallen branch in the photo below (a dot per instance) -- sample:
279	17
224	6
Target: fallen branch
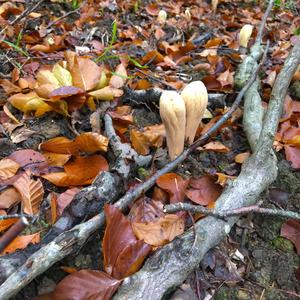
172	208
175	261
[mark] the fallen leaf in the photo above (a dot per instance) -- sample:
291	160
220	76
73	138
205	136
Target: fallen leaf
119	77
123	253
293	155
61	145
31	191
9	197
91	142
160	232
8	168
86	284
216	146
21	242
175	185
4	224
65	198
203	190
241	157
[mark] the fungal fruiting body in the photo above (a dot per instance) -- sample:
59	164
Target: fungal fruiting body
245	35
173	114
195	98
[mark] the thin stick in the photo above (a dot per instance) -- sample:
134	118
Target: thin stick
15	216
263	22
172	208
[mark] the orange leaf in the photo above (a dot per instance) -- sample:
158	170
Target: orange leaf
241	157
8	168
216	146
56	159
160	232
85	73
31	191
4	224
60	145
151	136
86	284
174	184
91	142
80	171
21	242
203	190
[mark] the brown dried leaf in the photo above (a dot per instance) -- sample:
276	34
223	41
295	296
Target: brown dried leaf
31	191
160	232
86	285
8	168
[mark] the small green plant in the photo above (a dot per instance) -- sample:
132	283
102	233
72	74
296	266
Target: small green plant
113	39
75	4
297	31
17	47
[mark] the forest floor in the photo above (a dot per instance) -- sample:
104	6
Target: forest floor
193	43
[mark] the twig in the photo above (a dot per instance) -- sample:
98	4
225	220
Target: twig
263	22
15	216
172	208
64	16
12	233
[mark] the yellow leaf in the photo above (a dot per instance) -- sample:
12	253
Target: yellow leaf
29	102
47	77
106	94
63	76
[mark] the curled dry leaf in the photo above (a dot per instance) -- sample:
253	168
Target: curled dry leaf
85	73
151	136
160	232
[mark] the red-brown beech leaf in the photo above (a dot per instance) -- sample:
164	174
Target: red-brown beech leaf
86	285
203	190
291	230
118	235
175	185
65	198
131	259
30	160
